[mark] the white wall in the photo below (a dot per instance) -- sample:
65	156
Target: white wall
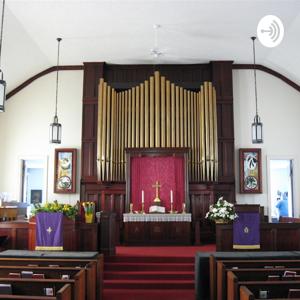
279	109
24	129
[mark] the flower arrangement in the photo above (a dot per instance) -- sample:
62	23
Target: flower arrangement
68	210
222	210
89	208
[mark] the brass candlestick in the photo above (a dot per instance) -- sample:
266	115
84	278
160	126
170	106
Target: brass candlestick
172	211
183	208
131	208
143	208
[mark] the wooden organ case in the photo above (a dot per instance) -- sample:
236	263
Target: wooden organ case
211	174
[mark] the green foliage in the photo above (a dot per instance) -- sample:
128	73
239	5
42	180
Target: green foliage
68	210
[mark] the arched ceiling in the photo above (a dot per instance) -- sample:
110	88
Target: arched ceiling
122	32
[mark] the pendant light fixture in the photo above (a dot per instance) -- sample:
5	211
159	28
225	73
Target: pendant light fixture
257	126
55	127
2	81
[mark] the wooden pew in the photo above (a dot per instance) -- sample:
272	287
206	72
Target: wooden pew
94	270
35	291
278	290
224	266
246	294
77	284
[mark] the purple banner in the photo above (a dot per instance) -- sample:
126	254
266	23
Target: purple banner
246	233
48	233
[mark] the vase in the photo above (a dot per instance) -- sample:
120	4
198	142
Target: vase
221	221
89	218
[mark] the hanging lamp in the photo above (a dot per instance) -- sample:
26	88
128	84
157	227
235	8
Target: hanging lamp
55	127
2	81
257	126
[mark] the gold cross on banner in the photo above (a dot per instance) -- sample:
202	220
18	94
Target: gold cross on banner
156	186
49	230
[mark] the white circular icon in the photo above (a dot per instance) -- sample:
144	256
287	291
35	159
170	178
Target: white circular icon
270	31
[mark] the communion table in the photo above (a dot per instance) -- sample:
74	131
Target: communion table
157	229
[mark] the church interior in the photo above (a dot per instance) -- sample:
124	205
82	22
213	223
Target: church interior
148	149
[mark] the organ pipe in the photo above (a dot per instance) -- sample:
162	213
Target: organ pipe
157	113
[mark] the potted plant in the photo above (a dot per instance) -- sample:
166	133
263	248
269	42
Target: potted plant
221	212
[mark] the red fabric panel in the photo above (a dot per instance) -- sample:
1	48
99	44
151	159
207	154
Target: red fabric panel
168	170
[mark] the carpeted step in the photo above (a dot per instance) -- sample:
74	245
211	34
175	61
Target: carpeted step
148	266
141	294
148	284
150	275
150	259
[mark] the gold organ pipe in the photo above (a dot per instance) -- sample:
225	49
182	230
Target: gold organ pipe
142	116
152	129
211	131
163	111
126	105
147	127
124	130
177	103
133	117
181	120
189	122
202	133
103	158
185	119
157	108
129	120
195	134
99	130
108	141
137	117
168	112
173	126
198	136
112	134
206	114
215	134
157	114
120	142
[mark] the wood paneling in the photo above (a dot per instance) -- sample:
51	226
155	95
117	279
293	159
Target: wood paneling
157	233
273	237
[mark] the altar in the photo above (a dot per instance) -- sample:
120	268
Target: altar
157	229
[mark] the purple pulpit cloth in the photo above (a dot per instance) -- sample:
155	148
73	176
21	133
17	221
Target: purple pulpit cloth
49	231
246	231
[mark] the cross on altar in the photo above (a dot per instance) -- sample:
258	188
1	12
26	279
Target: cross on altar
156	186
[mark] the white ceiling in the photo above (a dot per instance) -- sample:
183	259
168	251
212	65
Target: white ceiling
122	32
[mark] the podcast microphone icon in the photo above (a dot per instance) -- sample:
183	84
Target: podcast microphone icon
273	35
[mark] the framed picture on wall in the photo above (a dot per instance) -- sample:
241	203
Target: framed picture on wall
65	170
250	170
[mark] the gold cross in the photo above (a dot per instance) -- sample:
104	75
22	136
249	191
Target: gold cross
49	230
156	186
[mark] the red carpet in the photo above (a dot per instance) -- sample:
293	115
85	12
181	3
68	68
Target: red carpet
147	273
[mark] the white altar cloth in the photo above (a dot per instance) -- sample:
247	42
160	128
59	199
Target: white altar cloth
157	217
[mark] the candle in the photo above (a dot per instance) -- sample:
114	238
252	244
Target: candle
143	196
171	196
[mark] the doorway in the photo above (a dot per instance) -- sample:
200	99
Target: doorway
281	202
33	180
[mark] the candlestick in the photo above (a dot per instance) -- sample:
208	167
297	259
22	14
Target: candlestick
131	208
